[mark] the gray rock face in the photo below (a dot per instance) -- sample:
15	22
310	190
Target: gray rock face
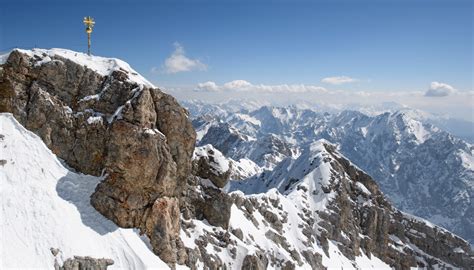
81	263
84	263
386	227
257	261
204	201
138	137
210	164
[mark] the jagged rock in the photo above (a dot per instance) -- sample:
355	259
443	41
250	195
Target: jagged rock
314	259
238	233
258	261
203	200
288	266
80	263
110	124
209	163
384	225
85	263
162	226
55	251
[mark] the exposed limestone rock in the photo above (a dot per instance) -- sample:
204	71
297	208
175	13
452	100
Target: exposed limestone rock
386	229
258	261
314	259
139	138
84	263
209	163
80	263
203	200
238	233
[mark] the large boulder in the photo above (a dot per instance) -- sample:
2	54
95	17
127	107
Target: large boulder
210	163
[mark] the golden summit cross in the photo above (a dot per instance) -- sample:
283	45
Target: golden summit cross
89	22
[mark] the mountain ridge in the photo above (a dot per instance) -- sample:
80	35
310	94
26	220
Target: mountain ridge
404	154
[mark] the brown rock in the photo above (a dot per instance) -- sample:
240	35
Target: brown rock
258	261
139	137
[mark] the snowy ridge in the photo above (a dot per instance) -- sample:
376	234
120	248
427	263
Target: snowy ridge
291	215
423	169
102	65
241	169
45	205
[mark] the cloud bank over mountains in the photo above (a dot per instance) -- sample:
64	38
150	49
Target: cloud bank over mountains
440	98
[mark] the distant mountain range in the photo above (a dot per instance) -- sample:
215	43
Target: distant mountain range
423	169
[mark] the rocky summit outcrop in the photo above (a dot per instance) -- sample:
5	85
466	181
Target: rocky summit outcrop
102	118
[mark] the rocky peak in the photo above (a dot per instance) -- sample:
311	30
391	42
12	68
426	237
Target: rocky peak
102	118
339	207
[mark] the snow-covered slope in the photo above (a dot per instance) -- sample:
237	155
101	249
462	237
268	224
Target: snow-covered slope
45	205
313	212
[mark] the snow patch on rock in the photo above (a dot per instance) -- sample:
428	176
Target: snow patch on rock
102	65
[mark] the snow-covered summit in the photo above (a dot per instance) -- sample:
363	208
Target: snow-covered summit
102	65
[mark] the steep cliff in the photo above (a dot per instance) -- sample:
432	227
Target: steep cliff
102	118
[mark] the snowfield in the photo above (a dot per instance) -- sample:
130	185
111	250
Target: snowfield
45	205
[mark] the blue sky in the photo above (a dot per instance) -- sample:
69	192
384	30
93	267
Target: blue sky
375	46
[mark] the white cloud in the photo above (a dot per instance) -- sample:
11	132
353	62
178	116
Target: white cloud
207	87
339	80
438	89
179	62
237	85
245	86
